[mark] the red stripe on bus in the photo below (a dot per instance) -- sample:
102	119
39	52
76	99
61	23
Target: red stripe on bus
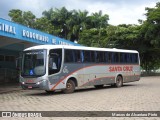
97	79
106	77
74	72
81	69
66	77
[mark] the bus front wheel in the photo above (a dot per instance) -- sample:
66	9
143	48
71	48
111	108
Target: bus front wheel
119	81
70	87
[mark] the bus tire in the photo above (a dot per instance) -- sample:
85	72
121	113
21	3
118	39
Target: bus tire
119	81
49	92
98	86
70	87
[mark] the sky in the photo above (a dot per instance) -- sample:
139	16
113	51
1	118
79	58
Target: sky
119	11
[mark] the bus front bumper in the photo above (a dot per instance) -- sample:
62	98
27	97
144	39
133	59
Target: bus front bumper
39	85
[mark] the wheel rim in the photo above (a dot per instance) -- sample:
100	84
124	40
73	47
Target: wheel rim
69	86
119	81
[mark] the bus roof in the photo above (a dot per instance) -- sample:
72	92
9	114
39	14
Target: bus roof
79	48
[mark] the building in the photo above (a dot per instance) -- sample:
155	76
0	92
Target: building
14	38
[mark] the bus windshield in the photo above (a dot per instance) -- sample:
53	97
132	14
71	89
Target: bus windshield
33	63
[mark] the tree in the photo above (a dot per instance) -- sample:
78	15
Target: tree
123	36
153	25
43	24
151	38
29	19
24	18
67	24
99	22
90	37
58	18
77	23
16	16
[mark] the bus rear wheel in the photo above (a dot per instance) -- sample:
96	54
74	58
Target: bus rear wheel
70	87
119	81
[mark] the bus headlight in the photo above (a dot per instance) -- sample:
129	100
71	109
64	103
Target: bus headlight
40	82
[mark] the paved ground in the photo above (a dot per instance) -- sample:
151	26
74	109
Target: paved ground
7	88
143	95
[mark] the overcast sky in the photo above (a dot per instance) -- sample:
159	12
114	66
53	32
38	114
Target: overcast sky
119	11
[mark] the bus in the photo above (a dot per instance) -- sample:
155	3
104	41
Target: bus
66	68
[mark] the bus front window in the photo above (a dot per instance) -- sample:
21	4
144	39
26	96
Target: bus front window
33	63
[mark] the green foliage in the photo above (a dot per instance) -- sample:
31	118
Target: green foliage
91	38
16	16
44	25
152	26
150	35
24	18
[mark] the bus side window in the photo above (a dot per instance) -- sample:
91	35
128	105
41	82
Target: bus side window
69	56
77	56
87	57
92	56
112	57
100	56
72	56
116	57
109	57
97	57
134	58
82	55
106	57
128	58
123	57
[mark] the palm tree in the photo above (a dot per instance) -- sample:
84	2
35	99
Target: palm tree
77	23
99	22
58	18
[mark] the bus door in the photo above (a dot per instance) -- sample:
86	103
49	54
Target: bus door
55	61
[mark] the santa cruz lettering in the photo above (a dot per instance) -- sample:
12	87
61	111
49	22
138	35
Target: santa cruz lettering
120	68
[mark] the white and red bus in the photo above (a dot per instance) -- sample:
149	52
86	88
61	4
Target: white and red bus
59	67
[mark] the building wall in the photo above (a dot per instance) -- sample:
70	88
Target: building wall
8	58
